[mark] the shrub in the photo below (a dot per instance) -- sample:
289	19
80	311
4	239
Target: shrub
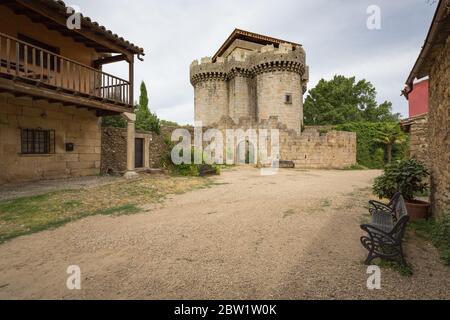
191	169
406	176
114	121
369	151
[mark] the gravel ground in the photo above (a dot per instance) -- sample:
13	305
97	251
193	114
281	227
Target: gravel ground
294	235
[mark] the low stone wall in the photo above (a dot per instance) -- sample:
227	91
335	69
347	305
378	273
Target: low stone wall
439	132
159	148
319	150
114	151
314	148
417	128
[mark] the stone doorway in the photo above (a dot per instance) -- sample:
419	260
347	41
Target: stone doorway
245	153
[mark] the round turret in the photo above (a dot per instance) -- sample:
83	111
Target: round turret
279	85
257	85
210	90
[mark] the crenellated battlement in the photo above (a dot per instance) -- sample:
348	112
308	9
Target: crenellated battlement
249	64
250	79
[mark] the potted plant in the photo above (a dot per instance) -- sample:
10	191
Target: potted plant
408	177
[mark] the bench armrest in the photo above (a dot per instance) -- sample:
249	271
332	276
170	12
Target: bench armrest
380	206
378	235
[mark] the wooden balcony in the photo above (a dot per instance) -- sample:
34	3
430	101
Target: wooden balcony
27	70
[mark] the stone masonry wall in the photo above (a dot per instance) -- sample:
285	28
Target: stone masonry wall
310	149
418	140
331	150
211	101
251	84
71	125
114	151
271	90
241	98
439	132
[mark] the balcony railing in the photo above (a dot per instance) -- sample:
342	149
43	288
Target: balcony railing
33	64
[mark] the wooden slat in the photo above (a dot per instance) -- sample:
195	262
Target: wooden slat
67	85
55	71
17	59
79	78
41	61
8	55
103	85
33	58
61	80
49	69
25	51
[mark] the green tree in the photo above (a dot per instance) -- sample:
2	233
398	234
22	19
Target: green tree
390	134
114	121
145	120
343	100
168	123
369	151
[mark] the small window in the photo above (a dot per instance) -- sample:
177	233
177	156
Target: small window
38	141
288	98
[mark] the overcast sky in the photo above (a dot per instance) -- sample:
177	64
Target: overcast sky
333	33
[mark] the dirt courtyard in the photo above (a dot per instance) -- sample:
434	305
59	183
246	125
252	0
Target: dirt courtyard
294	235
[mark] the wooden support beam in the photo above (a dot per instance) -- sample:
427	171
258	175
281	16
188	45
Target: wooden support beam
100	62
131	80
36	93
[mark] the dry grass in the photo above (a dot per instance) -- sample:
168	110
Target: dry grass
33	214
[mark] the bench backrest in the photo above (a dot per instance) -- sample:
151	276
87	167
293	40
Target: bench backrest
395	198
401	214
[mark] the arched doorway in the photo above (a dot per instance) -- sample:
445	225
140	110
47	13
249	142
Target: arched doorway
245	153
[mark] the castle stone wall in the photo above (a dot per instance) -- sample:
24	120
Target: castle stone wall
272	88
211	101
261	87
331	150
251	84
240	98
315	150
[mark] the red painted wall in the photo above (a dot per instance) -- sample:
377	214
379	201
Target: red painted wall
418	99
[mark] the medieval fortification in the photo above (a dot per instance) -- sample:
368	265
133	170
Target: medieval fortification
258	82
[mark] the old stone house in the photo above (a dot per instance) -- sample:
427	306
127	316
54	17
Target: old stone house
53	91
258	82
434	62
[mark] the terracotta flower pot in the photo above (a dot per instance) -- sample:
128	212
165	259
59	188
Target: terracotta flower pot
418	210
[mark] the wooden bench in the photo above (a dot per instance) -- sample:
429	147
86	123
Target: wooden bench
386	230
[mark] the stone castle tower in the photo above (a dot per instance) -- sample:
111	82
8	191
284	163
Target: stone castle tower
253	77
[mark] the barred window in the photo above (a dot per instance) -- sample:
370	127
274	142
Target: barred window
38	141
